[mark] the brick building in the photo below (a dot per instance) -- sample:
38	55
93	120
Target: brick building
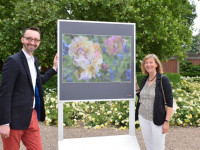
173	64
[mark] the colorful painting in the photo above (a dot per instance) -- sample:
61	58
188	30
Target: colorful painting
96	58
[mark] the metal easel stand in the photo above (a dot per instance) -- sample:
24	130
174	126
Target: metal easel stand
119	142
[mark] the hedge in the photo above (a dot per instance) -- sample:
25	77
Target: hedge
52	83
175	78
189	69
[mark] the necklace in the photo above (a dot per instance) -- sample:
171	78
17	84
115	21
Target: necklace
152	79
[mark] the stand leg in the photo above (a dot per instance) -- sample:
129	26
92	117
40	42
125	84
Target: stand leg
132	117
60	121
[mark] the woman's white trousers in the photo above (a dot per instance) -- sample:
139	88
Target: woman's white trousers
154	139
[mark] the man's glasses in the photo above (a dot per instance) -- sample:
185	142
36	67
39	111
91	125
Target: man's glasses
30	39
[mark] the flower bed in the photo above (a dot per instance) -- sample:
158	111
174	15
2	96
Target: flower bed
95	114
187	97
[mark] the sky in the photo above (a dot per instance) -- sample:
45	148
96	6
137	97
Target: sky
197	20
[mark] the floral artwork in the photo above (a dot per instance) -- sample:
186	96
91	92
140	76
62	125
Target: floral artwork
96	58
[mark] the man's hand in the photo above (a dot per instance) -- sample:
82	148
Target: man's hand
55	61
5	131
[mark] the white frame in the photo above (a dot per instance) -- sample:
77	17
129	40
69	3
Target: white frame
130	139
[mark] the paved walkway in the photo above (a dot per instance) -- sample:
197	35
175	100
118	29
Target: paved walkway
177	138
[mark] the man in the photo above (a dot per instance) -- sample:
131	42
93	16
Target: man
21	95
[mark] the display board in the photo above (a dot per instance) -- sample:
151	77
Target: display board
96	60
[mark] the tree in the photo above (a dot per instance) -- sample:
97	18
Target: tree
27	13
195	47
163	27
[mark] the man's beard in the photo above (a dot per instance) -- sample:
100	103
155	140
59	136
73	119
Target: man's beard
31	50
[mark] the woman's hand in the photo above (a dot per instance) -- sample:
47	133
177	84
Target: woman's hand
136	85
165	127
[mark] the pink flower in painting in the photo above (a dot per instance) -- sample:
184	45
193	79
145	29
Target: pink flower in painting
114	45
105	66
86	55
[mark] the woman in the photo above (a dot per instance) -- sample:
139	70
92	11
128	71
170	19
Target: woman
150	109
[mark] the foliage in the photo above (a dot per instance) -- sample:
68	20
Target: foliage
102	114
6	9
23	14
189	69
190	74
51	106
51	83
91	114
140	76
195	47
163	27
187	98
173	77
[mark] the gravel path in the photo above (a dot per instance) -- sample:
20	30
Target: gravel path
177	138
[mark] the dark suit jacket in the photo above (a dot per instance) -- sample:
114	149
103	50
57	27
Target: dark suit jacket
17	94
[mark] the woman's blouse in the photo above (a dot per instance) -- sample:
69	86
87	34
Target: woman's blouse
147	98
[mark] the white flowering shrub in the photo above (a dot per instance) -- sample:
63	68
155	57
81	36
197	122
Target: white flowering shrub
51	106
92	114
102	114
187	97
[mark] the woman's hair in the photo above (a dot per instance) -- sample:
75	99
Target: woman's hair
159	67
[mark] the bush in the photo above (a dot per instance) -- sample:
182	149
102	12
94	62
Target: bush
190	74
174	78
140	76
116	113
187	98
52	83
189	69
91	114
